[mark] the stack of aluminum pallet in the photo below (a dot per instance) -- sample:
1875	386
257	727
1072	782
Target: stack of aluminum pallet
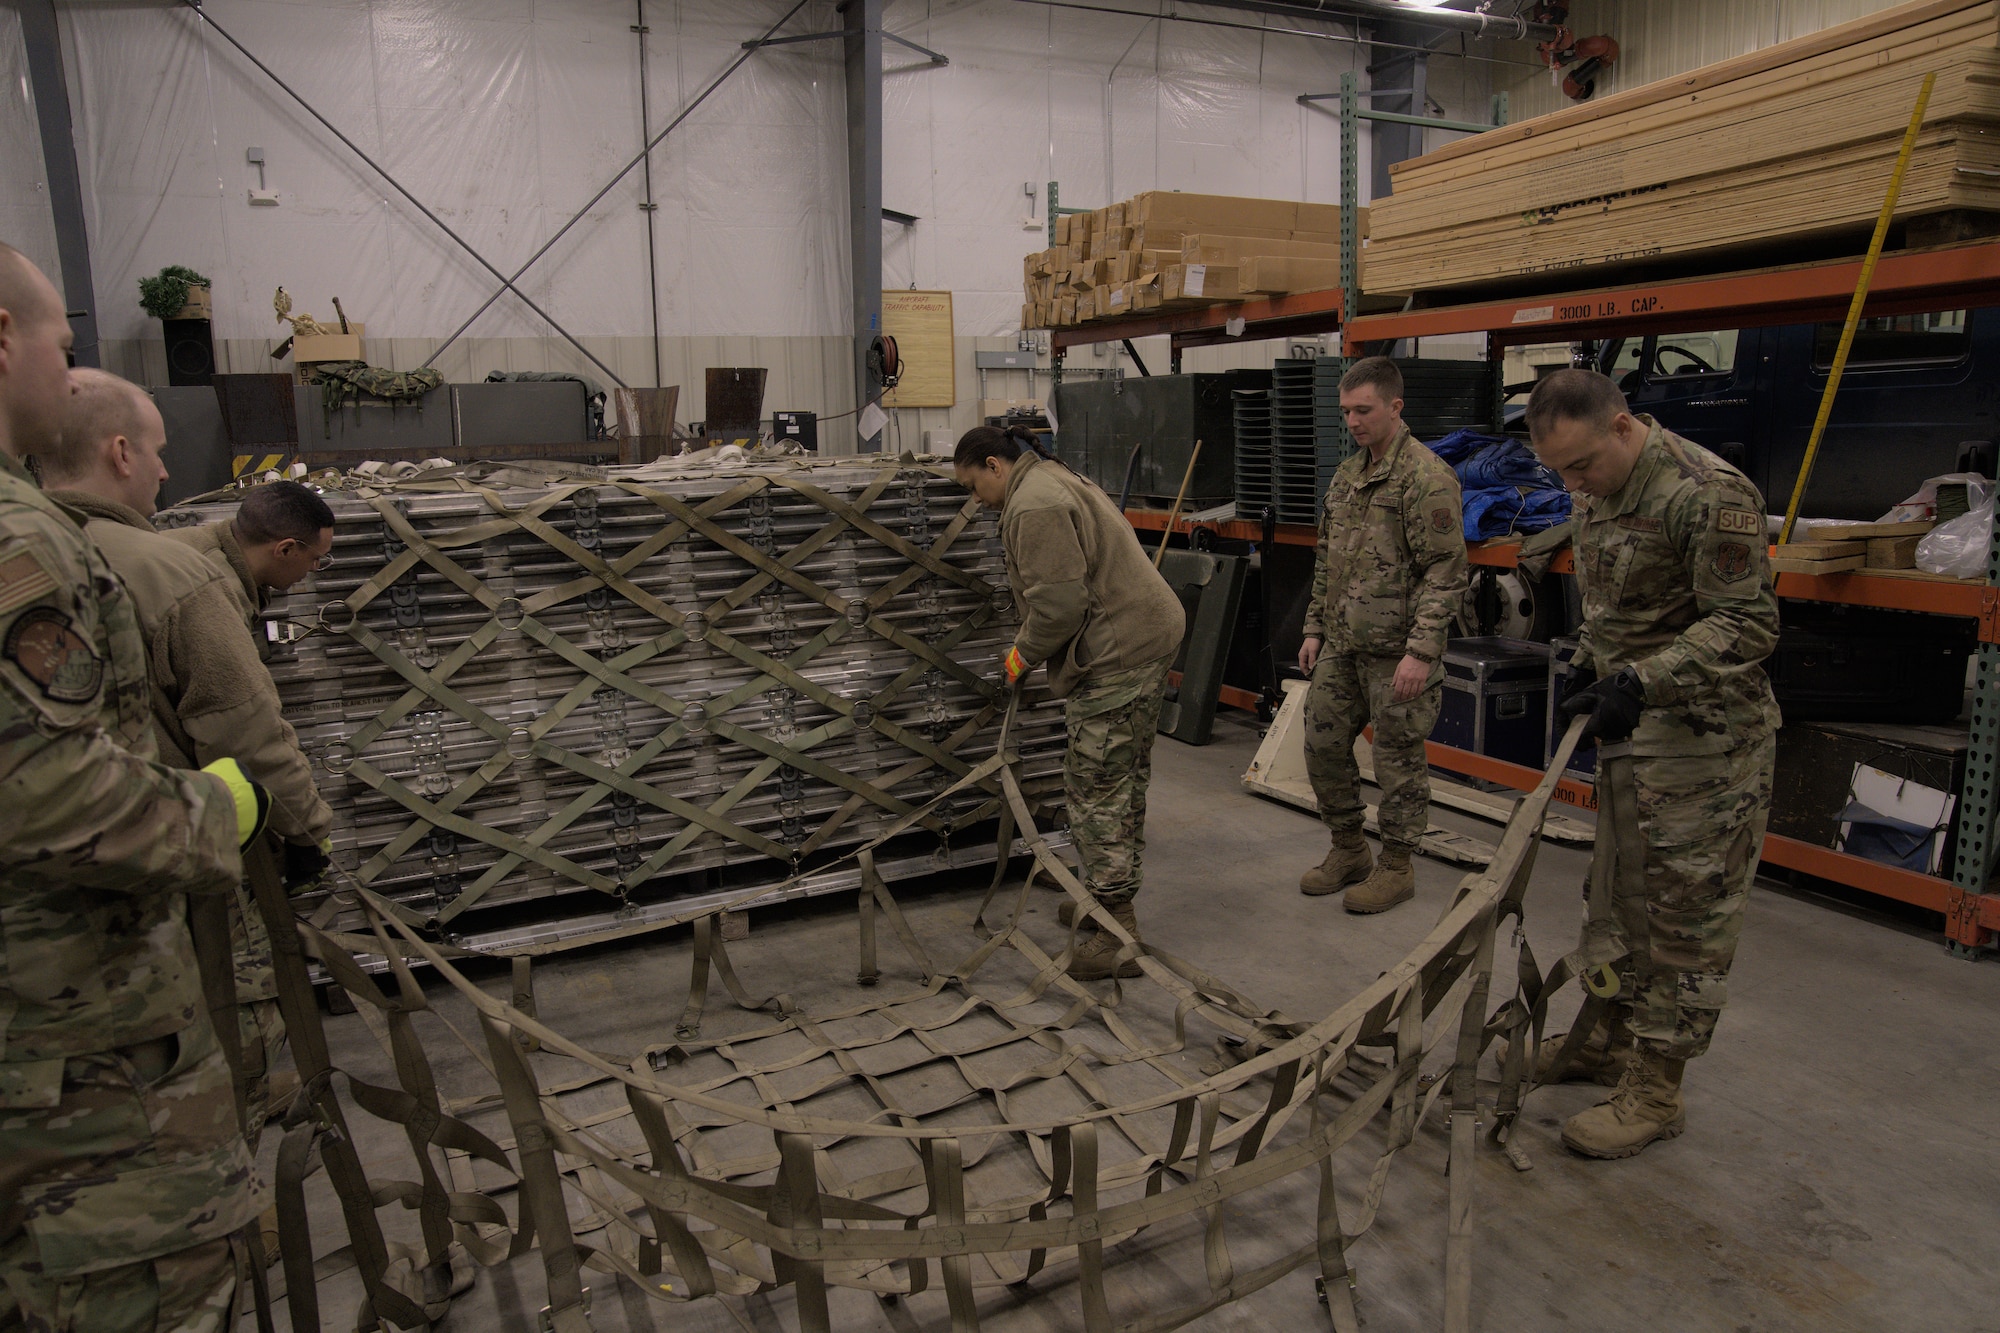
551	711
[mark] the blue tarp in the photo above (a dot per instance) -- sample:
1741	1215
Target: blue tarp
1506	490
1887	839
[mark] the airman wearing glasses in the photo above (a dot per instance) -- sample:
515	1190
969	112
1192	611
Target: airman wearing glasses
282	532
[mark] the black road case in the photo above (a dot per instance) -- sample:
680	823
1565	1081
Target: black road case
1496	699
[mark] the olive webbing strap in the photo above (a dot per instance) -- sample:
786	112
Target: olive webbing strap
215	964
1617	869
329	1123
541	1181
1464	1126
1336	1279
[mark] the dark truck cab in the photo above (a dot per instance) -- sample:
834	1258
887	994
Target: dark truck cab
1920	397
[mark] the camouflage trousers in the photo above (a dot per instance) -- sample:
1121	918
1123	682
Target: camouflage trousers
189	1291
1111	721
1351	691
128	1227
261	1028
1701	825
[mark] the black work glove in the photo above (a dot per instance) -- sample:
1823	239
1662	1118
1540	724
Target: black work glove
1574	684
1614	706
305	862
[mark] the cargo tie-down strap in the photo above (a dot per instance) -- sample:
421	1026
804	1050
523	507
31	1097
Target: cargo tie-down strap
442	798
993	1121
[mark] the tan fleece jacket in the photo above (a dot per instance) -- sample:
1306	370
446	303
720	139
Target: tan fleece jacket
1091	601
212	697
218	544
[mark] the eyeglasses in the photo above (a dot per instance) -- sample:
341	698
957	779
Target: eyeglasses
325	562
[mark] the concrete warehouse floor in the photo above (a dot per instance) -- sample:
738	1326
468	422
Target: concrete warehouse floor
1839	1171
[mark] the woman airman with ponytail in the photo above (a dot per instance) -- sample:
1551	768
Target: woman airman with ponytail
1097	614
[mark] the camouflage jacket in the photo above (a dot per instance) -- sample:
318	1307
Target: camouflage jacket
1091	601
100	843
1390	572
1676	584
212	696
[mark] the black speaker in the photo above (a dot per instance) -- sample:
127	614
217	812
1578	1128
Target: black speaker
190	352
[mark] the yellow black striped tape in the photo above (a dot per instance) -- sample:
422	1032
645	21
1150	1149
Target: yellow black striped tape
241	463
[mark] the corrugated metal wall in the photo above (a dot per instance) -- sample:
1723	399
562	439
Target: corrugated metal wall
1657	40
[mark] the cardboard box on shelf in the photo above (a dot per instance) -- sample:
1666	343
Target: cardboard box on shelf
1216	212
1326	218
1270	276
330	346
1215	248
1199	282
200	305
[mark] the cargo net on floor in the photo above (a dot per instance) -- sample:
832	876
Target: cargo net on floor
986	1123
544	706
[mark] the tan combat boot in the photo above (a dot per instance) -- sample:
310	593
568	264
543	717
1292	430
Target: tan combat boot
1094	954
1646	1106
1348	863
1392	882
1601	1059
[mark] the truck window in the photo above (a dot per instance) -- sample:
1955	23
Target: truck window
1668	356
1897	340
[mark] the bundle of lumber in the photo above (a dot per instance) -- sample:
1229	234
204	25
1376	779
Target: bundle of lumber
1792	142
1167	249
1820	546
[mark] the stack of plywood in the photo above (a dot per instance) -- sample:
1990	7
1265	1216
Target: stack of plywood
1821	546
1169	249
1794	141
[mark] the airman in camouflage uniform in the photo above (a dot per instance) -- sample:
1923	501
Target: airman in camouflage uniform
1679	614
122	1169
1389	576
1108	626
212	696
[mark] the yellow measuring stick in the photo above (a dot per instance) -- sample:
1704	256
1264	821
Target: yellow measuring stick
1854	307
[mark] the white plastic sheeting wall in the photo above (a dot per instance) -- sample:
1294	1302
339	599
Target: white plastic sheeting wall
504	116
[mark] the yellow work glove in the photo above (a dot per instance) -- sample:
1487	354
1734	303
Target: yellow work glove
1014	665
253	803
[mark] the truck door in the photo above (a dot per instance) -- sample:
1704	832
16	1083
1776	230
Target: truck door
1908	400
1699	385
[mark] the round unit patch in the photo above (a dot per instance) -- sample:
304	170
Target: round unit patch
49	651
